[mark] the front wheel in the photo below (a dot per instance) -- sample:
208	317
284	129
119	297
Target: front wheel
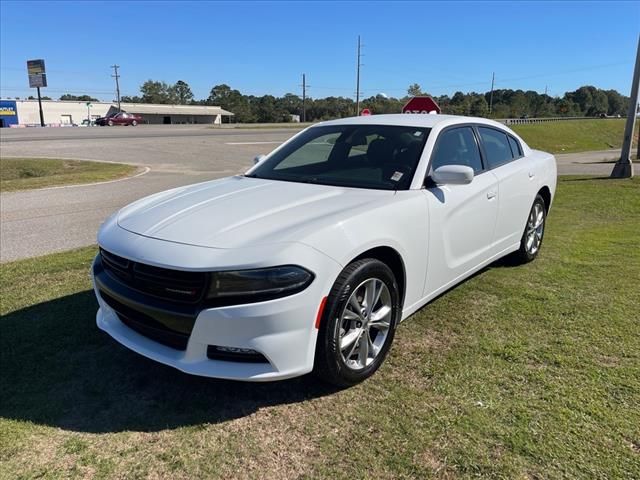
533	234
359	322
110	123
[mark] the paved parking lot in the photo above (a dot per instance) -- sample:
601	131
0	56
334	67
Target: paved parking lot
37	222
43	221
173	148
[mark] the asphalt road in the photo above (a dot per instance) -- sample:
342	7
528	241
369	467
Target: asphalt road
38	222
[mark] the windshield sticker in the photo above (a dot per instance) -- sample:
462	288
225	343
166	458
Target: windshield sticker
396	176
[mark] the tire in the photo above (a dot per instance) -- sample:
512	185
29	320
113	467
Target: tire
134	123
341	358
533	234
110	123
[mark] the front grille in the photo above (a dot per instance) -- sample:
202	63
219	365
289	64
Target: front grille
176	285
145	325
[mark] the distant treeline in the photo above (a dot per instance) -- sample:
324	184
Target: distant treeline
585	101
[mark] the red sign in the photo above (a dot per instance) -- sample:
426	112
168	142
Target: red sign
421	105
365	112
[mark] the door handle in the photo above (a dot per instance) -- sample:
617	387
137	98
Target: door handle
531	174
491	194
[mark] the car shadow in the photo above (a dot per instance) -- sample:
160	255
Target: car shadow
58	369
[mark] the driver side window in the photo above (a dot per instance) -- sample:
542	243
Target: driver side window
457	146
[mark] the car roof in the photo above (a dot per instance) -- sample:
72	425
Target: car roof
412	120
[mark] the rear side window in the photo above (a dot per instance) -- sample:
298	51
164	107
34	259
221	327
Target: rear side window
457	146
515	147
496	146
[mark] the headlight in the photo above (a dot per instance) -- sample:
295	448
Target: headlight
259	284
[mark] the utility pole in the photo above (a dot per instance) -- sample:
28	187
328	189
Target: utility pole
624	167
493	79
358	65
304	98
117	76
545	90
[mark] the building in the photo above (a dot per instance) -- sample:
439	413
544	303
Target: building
16	113
154	113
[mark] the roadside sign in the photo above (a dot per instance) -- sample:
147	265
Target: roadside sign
36	81
365	112
421	105
37	73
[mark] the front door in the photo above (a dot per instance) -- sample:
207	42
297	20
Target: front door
462	218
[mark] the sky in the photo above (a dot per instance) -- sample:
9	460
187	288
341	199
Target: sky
265	47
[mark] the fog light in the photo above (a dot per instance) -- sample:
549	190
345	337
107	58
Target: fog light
235	354
235	350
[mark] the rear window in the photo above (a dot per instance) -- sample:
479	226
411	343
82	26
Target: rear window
515	147
496	146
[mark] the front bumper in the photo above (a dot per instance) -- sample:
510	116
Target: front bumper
281	330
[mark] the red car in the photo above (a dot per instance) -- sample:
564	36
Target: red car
122	118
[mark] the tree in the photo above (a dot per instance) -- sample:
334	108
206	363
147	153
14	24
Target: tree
291	103
129	99
181	92
618	104
586	100
519	104
233	101
479	107
78	98
414	90
155	92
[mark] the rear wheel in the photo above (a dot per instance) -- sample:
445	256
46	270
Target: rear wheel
359	323
533	234
134	123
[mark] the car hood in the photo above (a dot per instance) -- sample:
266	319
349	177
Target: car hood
240	211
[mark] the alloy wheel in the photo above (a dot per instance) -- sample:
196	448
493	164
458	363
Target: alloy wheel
535	229
365	323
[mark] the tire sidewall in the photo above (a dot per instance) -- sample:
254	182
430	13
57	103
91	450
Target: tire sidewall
328	345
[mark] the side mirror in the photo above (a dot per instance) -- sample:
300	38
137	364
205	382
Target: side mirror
452	175
258	159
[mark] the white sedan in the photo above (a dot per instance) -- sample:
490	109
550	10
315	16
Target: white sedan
310	260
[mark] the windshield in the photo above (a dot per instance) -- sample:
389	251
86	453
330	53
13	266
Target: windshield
363	156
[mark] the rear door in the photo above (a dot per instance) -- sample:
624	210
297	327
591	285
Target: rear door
503	154
462	218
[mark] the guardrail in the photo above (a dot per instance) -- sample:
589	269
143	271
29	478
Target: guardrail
519	121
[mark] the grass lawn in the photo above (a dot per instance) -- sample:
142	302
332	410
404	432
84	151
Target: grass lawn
574	136
525	372
28	173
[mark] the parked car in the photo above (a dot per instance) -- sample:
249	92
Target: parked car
122	118
311	259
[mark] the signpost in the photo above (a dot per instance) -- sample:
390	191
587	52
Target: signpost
365	112
89	114
421	105
37	79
